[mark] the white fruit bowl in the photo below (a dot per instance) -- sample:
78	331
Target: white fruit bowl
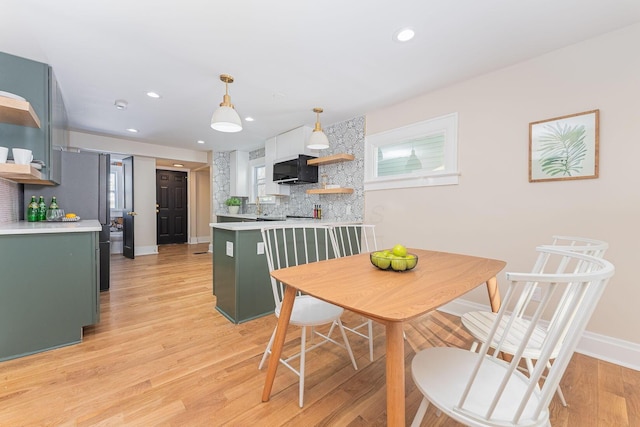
388	261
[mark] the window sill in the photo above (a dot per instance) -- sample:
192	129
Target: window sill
409	182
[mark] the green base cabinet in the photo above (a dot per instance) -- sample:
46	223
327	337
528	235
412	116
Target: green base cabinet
48	290
241	283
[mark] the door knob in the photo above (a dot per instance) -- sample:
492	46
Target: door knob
132	213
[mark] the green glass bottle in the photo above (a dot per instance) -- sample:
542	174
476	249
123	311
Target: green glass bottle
32	210
42	209
54	203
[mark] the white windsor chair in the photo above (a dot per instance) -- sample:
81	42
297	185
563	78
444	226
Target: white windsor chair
478	323
353	239
288	246
480	389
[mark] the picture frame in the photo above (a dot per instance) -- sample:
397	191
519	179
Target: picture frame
564	148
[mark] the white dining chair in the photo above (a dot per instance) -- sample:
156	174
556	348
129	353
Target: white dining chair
478	323
353	239
480	389
288	246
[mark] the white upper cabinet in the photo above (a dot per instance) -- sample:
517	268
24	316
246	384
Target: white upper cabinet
239	180
270	154
290	144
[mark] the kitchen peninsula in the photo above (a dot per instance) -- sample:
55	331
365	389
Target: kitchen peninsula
49	284
241	281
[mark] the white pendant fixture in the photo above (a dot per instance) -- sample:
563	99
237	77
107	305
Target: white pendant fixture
318	140
225	118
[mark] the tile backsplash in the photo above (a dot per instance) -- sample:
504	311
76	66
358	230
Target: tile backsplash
10	206
344	137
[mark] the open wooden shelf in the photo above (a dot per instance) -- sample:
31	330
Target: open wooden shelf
330	191
17	112
336	158
23	174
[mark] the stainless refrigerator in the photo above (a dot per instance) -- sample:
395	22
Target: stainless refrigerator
84	190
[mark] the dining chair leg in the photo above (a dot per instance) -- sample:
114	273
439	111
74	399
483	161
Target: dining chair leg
268	349
370	328
303	352
422	410
558	390
346	343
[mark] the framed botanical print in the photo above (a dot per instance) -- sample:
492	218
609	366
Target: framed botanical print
564	148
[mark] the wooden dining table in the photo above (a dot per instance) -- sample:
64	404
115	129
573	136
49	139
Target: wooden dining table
387	297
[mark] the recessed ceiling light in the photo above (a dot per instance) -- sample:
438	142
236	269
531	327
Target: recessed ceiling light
404	34
200	141
178	165
153	95
132	130
120	104
248	119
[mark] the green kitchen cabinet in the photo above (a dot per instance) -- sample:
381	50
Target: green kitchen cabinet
241	281
36	82
48	290
224	218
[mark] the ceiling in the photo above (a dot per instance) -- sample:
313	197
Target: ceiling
287	56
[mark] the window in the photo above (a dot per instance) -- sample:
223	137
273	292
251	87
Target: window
112	190
421	154
116	186
258	181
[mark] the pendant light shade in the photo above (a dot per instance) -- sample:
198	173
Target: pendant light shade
413	162
225	118
318	140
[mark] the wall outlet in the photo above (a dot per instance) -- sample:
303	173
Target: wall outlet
230	249
260	248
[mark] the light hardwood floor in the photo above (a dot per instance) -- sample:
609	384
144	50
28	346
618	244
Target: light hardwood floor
163	356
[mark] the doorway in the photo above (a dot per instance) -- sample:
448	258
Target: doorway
171	206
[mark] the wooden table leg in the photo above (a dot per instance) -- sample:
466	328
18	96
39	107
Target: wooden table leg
395	375
278	342
494	294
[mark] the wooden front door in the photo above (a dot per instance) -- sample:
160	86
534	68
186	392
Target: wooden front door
171	206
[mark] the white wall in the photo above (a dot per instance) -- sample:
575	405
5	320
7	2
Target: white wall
109	144
495	211
144	193
202	232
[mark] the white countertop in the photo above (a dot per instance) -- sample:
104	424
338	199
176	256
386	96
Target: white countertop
243	226
24	227
239	216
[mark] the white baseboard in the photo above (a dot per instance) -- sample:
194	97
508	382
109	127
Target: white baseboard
609	349
146	250
211	247
200	239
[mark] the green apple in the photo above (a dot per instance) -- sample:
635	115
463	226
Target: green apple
384	262
399	264
399	250
412	260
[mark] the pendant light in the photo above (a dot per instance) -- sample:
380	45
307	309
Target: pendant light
318	140
225	118
413	162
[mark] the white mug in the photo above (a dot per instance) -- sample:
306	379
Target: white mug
4	151
22	156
